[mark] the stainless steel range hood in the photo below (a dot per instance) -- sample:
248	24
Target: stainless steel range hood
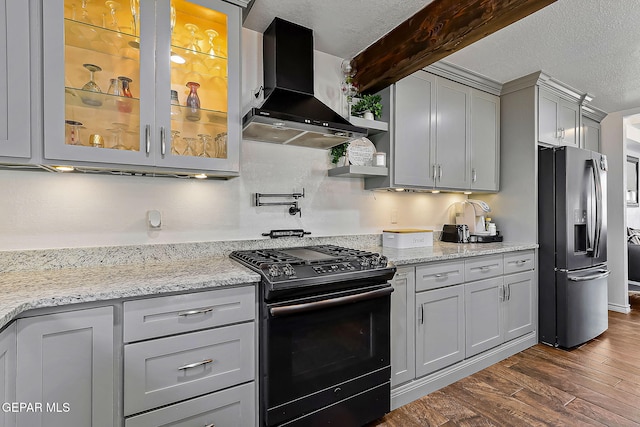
290	113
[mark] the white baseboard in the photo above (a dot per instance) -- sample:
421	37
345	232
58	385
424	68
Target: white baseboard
417	388
626	309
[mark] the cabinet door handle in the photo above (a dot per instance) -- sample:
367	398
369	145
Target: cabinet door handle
474	176
435	173
195	364
197	311
562	133
163	146
147	138
501	293
422	314
439	173
508	291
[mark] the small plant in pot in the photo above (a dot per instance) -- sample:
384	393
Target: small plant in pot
368	104
338	152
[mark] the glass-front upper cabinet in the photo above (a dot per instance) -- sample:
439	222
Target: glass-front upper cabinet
151	83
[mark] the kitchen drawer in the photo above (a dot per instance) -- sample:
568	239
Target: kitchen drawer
483	267
519	261
156	317
157	372
233	407
439	274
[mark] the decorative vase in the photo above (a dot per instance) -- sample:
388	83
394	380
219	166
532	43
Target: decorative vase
193	102
368	115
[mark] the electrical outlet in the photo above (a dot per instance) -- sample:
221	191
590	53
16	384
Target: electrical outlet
154	220
394	216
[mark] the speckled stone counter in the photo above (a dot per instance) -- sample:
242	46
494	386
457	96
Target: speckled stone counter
58	277
25	290
444	251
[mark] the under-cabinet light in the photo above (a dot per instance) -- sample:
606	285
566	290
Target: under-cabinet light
64	168
200	176
435	191
399	189
467	192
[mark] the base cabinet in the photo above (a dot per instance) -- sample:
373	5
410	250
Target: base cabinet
66	363
463	307
403	355
439	329
232	407
8	373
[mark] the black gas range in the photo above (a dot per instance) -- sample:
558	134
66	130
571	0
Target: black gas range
324	335
308	270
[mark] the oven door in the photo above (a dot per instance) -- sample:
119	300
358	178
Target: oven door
326	349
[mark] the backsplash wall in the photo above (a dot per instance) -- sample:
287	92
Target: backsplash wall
41	210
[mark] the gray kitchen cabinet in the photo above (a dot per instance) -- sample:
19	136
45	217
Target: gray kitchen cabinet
558	120
518	307
443	135
144	132
440	329
484	328
485	141
65	362
452	134
15	123
414	127
403	365
166	370
8	373
190	359
232	407
590	134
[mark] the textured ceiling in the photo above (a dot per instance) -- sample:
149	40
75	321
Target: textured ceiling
591	45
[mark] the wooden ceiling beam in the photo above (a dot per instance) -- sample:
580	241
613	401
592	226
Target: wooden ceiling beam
441	28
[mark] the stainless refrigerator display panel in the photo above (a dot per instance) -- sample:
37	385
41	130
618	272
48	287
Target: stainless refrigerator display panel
572	232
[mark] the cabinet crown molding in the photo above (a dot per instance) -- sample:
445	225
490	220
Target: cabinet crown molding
555	86
593	113
465	77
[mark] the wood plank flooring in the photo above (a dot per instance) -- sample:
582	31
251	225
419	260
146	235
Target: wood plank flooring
596	384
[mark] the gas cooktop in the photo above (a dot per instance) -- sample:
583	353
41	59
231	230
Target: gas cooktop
315	266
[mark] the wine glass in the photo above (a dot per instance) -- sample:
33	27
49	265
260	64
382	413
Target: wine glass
190	150
92	86
212	34
205	139
221	145
175	135
135	13
194	42
84	17
173	17
117	131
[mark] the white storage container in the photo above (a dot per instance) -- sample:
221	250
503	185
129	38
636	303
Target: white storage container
407	238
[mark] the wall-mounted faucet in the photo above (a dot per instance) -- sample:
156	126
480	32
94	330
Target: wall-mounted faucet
293	204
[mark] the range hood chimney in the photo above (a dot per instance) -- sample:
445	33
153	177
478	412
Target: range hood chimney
290	113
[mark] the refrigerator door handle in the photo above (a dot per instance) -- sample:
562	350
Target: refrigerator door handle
601	274
598	229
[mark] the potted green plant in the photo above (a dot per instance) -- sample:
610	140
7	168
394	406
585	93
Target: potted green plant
368	103
338	152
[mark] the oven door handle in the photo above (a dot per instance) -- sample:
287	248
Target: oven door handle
318	305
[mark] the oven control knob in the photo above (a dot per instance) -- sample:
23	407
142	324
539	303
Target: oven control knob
365	262
288	270
383	261
274	271
374	261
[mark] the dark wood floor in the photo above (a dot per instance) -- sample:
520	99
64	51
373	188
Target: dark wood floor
597	383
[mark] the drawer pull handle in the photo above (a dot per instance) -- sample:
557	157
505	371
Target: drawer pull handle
521	261
197	311
195	364
400	275
439	275
210	425
485	268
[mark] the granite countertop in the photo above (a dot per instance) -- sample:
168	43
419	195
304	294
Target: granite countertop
441	251
25	290
40	279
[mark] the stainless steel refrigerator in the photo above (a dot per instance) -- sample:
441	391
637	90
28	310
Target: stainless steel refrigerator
572	233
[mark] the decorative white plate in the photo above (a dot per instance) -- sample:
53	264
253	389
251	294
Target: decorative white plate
360	152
